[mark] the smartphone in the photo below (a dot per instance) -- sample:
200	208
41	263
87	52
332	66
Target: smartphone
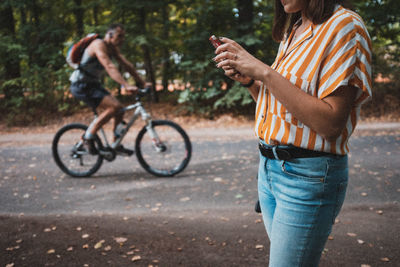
215	41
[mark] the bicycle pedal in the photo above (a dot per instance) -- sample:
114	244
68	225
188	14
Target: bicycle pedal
105	153
124	151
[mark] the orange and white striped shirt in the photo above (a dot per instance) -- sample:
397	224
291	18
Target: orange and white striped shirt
325	56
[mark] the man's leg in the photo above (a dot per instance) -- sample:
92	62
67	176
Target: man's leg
112	108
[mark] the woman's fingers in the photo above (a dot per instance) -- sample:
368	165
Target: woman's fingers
231	72
228	45
225	55
229	61
226	40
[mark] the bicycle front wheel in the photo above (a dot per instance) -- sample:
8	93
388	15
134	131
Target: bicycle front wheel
71	156
164	149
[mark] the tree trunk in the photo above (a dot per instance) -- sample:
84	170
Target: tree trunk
165	50
147	56
11	66
79	12
245	26
96	14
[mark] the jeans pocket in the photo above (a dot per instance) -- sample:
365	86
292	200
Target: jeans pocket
308	169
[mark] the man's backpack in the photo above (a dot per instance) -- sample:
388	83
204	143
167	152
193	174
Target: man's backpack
75	52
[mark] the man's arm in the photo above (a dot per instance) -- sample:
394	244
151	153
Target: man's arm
129	67
99	49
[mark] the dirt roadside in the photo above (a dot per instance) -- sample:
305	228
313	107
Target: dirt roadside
198	128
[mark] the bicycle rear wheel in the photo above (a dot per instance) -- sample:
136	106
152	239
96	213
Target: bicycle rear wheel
165	154
71	156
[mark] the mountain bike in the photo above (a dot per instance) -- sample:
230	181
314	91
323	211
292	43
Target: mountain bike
162	147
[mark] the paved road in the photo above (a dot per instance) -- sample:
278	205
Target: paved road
202	217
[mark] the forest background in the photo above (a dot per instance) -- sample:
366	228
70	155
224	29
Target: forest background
168	42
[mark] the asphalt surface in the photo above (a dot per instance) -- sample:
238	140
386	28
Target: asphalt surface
205	216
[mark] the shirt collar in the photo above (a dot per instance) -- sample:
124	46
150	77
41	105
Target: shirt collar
307	34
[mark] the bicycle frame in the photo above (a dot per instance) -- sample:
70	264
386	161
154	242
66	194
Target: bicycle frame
139	111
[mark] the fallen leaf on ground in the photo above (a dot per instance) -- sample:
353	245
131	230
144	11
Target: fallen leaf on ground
136	258
385	259
99	244
51	251
120	239
260	247
352	234
184	199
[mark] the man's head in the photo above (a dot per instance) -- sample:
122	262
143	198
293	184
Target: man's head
115	34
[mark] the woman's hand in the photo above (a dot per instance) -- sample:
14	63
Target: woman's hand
238	63
236	76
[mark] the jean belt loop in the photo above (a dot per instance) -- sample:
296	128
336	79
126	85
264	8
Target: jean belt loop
274	152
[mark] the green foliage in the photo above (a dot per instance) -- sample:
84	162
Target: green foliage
236	96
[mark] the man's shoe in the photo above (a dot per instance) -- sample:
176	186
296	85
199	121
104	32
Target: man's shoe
122	150
90	146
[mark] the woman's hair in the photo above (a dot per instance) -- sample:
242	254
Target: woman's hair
317	11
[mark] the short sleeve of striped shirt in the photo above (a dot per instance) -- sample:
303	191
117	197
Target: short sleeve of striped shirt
347	61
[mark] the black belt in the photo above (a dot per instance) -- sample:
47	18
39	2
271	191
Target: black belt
290	152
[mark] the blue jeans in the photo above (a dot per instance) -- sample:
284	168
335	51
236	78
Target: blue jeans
300	199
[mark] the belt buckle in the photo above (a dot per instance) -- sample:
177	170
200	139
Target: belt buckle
282	154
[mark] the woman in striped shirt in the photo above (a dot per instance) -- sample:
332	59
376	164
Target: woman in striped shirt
308	103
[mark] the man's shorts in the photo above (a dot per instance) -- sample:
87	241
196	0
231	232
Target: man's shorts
90	93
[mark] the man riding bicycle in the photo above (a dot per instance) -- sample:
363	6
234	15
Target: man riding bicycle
86	82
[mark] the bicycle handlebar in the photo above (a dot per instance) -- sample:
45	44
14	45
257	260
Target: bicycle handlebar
143	91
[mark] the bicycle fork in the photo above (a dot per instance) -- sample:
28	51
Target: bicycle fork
158	145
